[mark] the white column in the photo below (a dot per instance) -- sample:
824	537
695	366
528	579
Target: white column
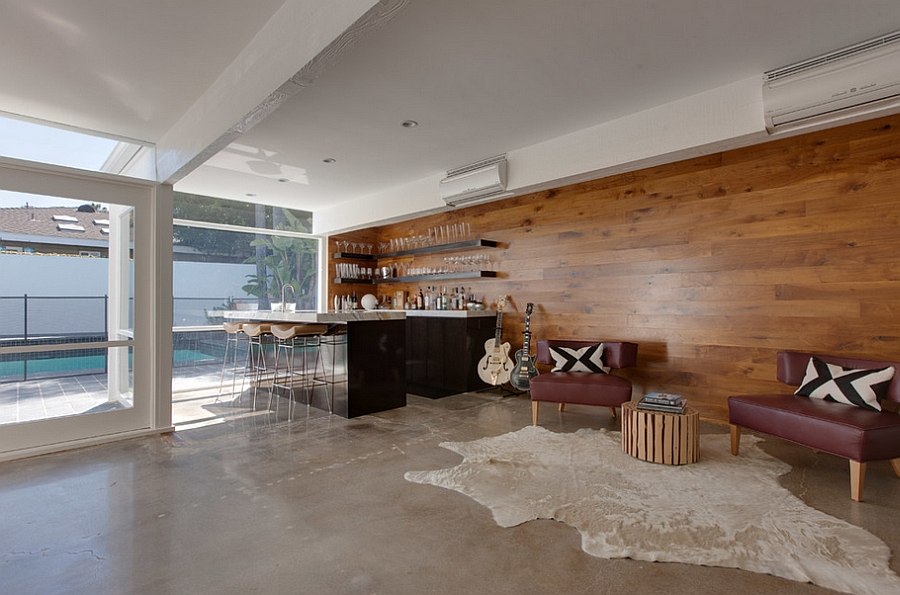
160	305
119	292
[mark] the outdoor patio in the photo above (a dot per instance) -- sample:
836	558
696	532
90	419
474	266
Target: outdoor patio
195	399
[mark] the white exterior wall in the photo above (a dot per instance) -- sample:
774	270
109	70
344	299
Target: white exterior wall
70	276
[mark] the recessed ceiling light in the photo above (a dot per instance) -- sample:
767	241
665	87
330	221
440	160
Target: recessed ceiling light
283	180
329	160
409	123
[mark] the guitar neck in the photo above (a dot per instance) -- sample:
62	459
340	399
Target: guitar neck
526	347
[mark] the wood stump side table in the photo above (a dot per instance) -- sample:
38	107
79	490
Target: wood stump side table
658	437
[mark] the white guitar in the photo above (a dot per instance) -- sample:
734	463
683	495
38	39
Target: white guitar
495	368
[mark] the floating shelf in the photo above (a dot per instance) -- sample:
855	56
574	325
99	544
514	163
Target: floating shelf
415	278
439	248
435	249
345	280
354	256
440	277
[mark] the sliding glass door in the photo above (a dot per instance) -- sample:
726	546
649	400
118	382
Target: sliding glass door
75	361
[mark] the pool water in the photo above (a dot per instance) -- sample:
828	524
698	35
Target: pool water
73	365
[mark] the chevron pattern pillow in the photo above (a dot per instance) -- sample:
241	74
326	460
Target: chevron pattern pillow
586	359
862	388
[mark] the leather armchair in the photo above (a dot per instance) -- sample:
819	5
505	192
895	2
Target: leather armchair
583	388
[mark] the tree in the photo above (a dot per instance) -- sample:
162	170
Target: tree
226	245
220	245
284	262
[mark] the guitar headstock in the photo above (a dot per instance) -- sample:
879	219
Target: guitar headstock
529	308
501	302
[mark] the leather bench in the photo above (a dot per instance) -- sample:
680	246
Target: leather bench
583	388
857	434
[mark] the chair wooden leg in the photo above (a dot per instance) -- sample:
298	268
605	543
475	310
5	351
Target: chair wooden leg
857	480
735	439
562	406
613	410
534	412
895	463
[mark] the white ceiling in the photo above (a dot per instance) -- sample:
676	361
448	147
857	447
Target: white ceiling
125	68
480	77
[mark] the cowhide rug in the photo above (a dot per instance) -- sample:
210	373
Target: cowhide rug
722	511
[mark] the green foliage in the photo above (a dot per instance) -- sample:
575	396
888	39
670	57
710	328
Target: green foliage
216	243
280	261
283	262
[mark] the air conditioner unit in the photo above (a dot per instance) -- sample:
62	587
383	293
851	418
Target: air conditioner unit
475	182
860	80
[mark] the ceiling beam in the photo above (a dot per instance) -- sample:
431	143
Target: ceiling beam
301	40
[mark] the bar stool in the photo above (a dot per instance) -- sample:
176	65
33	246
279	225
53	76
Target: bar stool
233	336
290	337
256	362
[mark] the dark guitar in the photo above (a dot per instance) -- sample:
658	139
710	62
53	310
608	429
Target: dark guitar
524	370
494	367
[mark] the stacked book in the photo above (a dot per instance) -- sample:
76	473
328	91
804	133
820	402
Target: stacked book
665	402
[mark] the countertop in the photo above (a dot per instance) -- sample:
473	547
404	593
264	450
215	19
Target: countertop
323	317
355	315
448	313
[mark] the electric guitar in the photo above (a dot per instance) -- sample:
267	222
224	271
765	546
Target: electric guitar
494	367
524	370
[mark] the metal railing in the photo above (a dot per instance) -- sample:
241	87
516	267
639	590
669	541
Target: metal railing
33	321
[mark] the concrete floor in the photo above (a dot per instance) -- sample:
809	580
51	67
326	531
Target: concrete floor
319	505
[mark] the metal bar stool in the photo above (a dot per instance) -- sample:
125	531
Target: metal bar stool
289	338
233	336
256	354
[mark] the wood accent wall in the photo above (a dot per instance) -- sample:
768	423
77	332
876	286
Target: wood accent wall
712	264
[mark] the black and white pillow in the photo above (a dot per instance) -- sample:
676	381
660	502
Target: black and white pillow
862	388
586	359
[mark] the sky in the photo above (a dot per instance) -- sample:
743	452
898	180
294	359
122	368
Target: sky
21	139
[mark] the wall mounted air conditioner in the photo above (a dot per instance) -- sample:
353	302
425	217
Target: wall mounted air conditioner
475	182
860	80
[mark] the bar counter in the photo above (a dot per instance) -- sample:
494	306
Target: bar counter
364	354
433	353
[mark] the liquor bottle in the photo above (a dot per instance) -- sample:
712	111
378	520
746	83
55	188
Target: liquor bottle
354	303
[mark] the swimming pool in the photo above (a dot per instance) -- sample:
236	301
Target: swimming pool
75	365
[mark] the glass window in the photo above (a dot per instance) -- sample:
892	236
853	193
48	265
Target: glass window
67	324
208	209
231	255
45	142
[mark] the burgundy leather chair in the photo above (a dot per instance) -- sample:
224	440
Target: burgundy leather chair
583	388
859	435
